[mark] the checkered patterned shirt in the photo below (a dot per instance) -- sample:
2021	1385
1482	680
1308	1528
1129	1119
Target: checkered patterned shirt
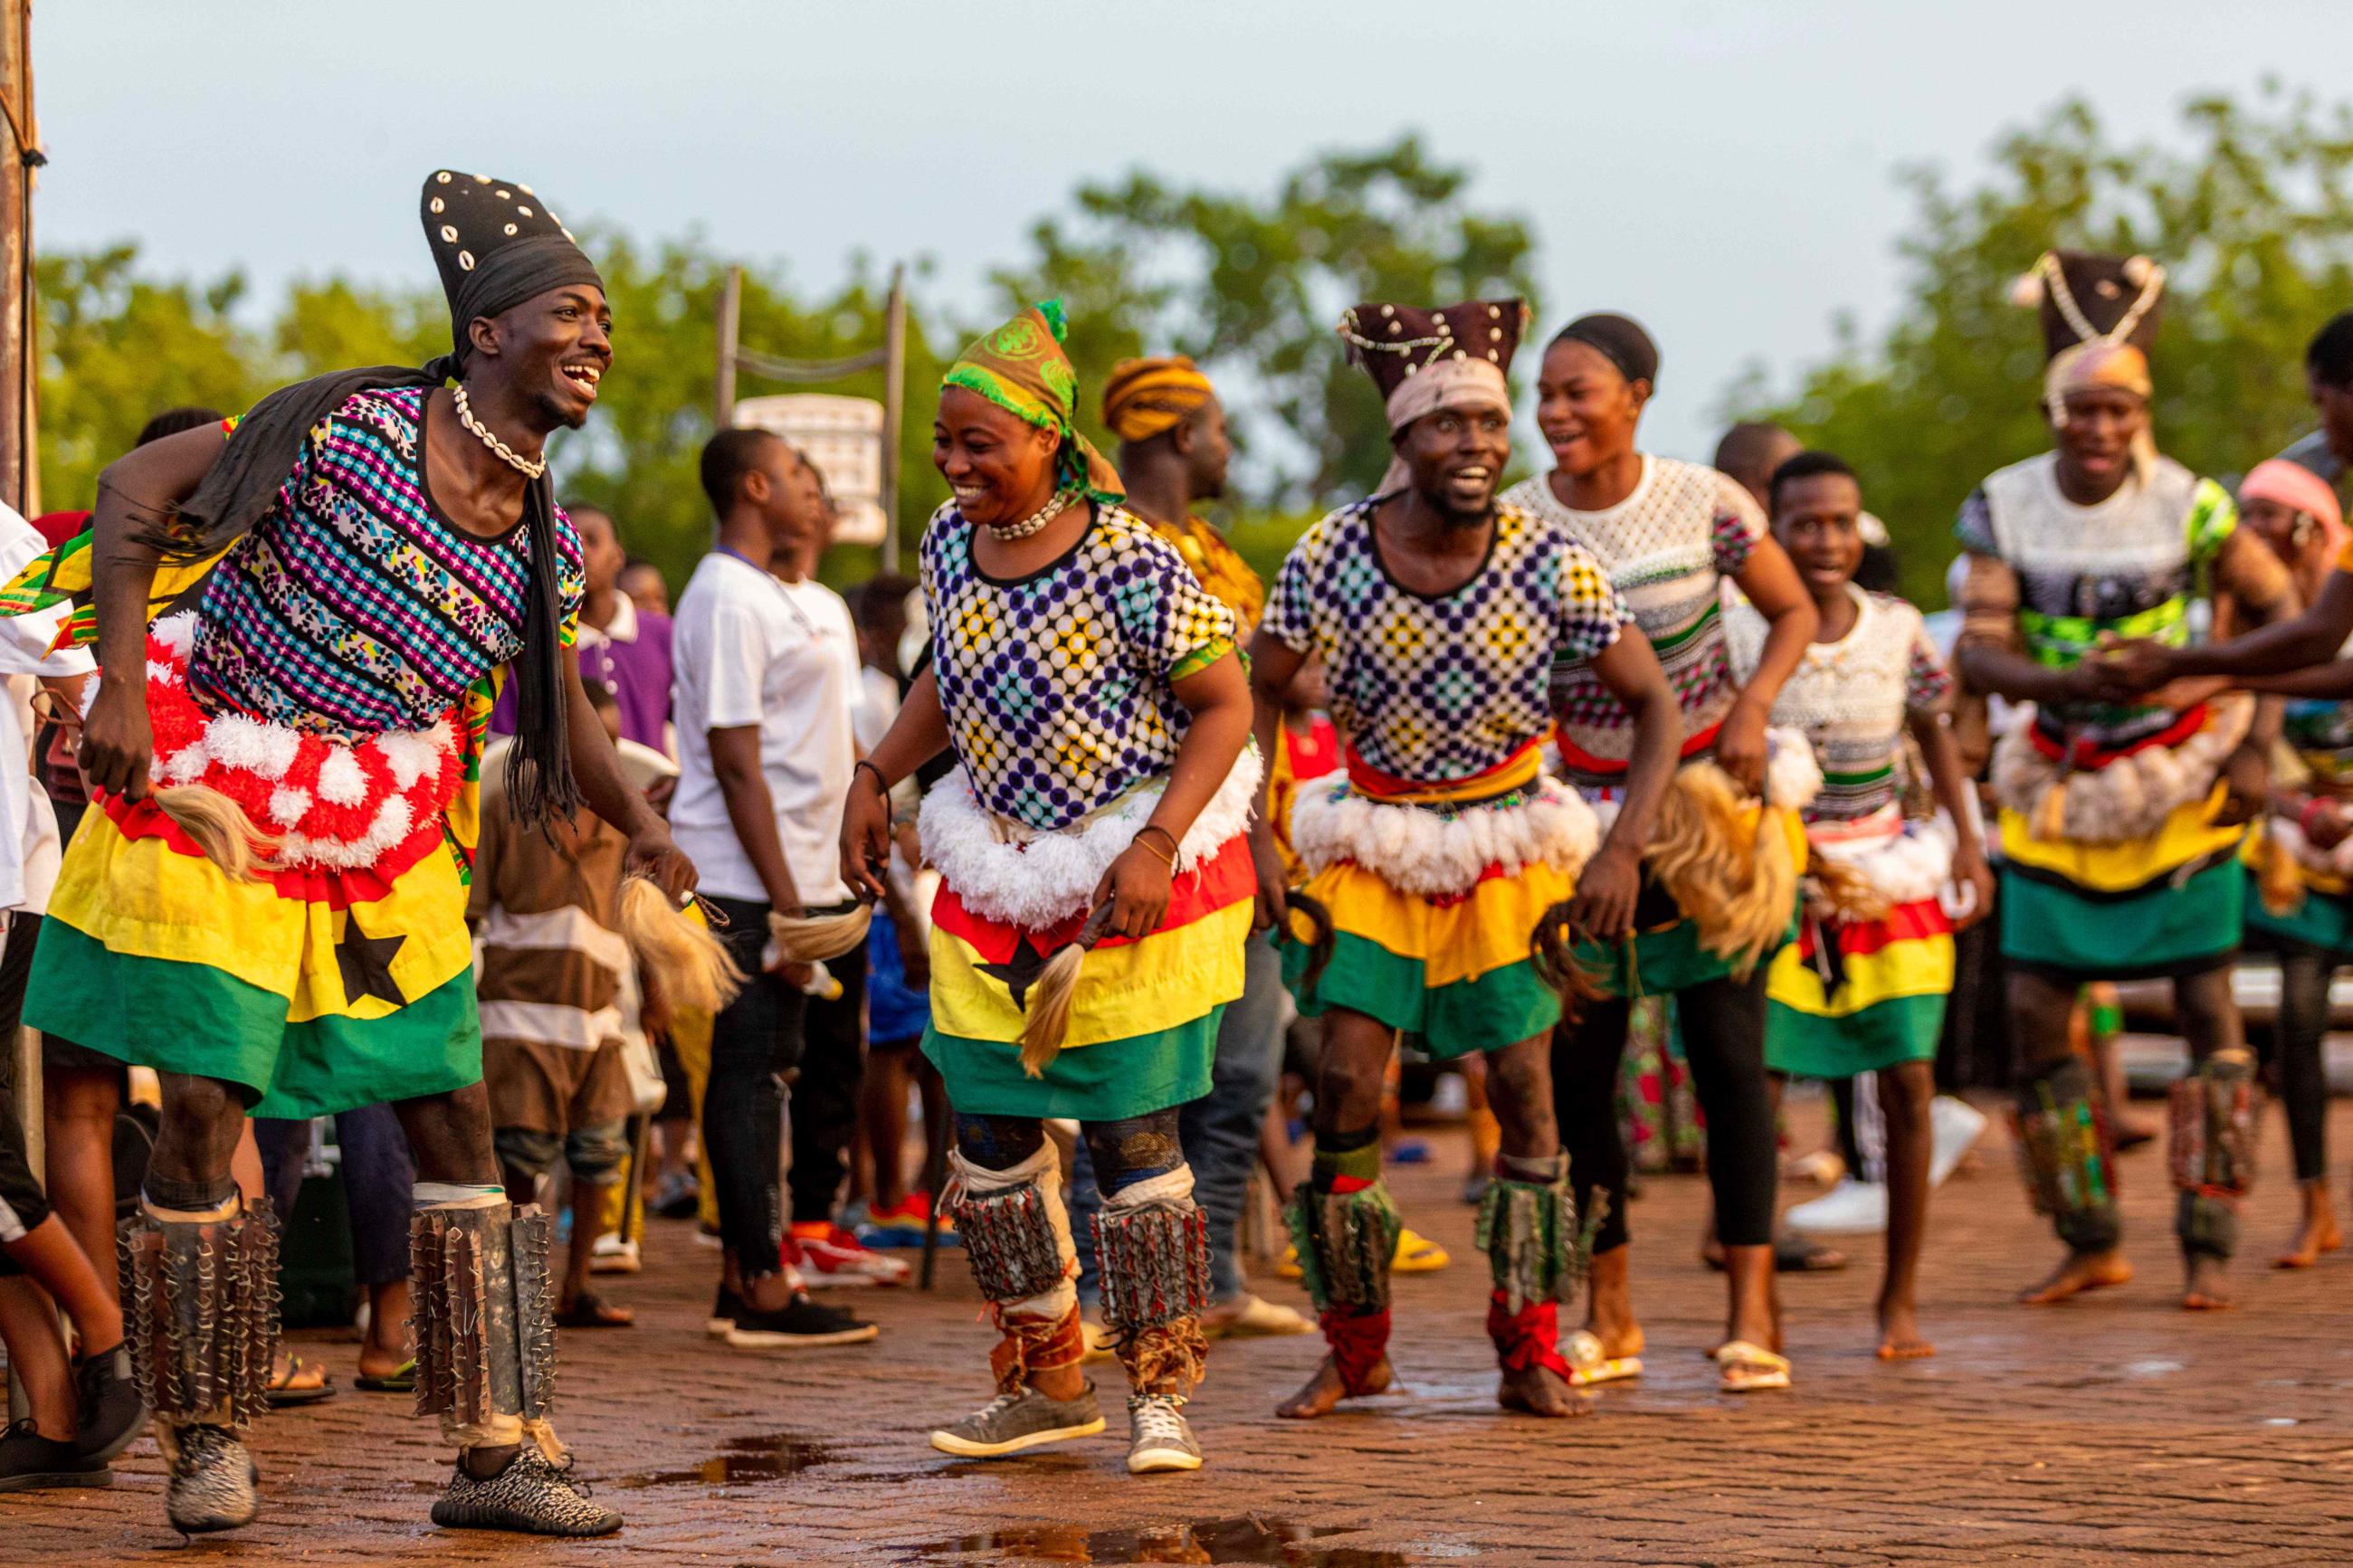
1059	686
1437	687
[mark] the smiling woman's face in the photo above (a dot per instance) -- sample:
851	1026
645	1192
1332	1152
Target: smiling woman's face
1586	407
1000	467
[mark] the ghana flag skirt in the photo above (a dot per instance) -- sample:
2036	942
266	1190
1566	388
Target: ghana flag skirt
2113	865
340	974
1856	995
1669	951
2169	902
1144	1013
1434	892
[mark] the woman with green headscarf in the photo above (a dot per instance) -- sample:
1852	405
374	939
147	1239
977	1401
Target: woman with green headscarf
1097	887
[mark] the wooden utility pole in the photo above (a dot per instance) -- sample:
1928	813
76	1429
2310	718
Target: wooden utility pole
19	355
731	311
894	411
19	470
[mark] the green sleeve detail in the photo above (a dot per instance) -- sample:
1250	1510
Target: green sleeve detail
2213	518
1200	658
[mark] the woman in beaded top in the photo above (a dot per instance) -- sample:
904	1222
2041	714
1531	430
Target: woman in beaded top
1719	878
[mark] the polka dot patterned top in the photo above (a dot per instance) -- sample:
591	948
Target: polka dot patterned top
1056	685
356	607
1433	688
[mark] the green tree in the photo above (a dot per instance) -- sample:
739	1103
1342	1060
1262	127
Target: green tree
117	348
638	458
1253	289
2251	211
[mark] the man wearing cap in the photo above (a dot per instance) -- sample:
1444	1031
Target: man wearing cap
302	619
1440	856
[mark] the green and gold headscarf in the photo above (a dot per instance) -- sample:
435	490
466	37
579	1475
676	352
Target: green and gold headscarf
1022	369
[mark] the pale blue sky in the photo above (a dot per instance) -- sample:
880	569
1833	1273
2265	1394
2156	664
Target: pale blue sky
1722	171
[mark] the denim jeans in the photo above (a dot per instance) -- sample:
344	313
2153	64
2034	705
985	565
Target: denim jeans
379	1179
1219	1131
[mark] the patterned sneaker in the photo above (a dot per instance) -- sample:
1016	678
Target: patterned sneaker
212	1484
1159	1438
533	1495
1023	1419
832	1255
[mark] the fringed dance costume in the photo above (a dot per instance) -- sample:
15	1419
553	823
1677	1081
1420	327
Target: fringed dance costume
1436	854
1057	690
1864	986
2113	866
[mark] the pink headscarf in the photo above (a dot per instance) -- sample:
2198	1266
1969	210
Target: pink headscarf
2298	488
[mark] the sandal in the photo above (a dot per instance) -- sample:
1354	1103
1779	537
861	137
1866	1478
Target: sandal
1746	1368
1589	1364
590	1310
1796	1255
402	1379
290	1388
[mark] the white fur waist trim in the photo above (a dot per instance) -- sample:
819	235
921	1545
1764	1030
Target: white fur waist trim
1004	871
2132	796
1908	865
1435	851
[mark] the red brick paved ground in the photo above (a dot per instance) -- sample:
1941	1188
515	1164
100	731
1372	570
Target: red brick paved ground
2109	1429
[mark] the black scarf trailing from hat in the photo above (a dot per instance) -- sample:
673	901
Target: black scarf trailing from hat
495	249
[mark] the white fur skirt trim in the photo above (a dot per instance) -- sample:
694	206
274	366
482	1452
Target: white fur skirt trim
1004	871
1908	865
2132	796
1438	851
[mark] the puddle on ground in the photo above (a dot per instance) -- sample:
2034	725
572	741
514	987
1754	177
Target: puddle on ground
743	1461
1244	1539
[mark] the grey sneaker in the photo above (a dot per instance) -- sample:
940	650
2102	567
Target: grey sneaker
212	1484
1024	1419
533	1495
1159	1438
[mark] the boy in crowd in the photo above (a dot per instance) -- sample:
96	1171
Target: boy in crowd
553	961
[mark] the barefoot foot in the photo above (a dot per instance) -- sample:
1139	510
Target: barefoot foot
2082	1271
2205	1291
1540	1391
1899	1335
1323	1391
2318	1234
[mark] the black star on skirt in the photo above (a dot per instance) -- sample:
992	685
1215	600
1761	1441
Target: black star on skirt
1020	972
366	963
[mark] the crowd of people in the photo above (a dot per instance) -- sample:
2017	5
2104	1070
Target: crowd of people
419	810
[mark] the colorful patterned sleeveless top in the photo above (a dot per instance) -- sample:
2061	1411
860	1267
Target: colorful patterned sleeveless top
356	609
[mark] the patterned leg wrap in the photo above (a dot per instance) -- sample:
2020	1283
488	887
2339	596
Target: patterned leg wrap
200	1314
1017	1239
1153	1244
483	1320
1345	1230
2066	1158
2214	1151
1527	1227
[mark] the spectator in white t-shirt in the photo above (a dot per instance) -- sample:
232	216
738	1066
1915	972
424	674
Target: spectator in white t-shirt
765	675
